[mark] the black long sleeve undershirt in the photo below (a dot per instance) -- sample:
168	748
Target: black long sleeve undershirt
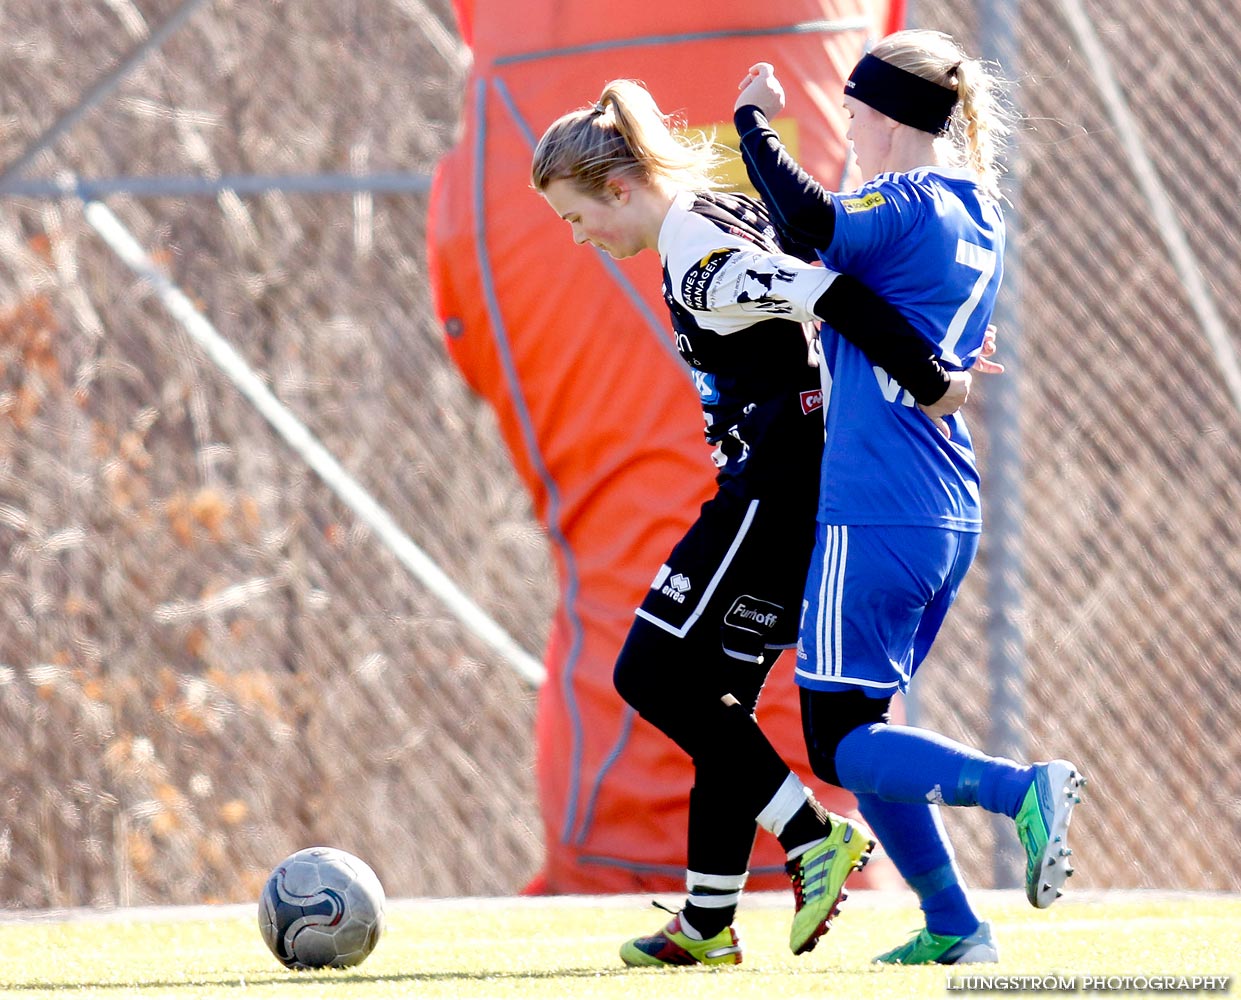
805	217
878	329
799	205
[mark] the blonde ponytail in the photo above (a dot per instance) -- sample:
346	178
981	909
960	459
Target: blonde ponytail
980	122
623	132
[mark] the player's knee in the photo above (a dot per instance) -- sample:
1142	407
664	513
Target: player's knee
827	718
822	759
641	672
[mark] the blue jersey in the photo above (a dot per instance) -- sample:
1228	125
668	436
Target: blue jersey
931	242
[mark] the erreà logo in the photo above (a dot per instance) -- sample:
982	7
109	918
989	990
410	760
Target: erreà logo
675	587
811	400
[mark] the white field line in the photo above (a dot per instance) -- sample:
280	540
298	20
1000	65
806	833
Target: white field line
859	899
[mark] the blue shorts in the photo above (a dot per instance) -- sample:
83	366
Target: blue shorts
874	602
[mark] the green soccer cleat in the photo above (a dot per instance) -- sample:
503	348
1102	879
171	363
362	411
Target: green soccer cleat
925	948
1043	828
672	946
818	878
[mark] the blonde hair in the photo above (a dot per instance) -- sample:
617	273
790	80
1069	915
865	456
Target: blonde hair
623	132
980	122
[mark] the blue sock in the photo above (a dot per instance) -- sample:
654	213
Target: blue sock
1002	789
913	836
903	764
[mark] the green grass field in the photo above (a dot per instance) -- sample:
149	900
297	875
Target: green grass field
566	948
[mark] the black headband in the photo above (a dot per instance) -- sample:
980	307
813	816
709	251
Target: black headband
903	96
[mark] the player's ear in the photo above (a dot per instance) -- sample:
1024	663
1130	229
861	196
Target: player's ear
617	189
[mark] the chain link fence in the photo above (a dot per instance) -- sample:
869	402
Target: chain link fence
1130	442
205	662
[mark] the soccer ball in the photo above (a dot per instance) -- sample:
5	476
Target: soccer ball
321	907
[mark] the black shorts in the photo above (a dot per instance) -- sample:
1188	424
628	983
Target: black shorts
739	572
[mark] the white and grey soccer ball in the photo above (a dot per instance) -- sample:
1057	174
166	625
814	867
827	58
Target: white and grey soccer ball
321	907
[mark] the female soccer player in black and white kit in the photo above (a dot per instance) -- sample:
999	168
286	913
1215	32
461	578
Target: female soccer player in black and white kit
728	597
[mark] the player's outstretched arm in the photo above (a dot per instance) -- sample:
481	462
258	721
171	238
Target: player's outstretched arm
745	284
799	205
888	340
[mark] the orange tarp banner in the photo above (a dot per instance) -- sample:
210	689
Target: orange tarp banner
574	352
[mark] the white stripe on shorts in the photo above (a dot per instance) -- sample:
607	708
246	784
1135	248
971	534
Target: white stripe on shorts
681	632
827	626
828	638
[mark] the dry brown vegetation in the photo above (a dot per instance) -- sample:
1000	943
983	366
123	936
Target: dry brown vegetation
207	661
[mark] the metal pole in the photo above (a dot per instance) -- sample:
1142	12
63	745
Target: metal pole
1163	211
100	90
347	489
242	185
999	23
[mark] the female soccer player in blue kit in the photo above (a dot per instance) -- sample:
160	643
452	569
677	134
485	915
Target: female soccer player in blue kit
727	597
899	514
